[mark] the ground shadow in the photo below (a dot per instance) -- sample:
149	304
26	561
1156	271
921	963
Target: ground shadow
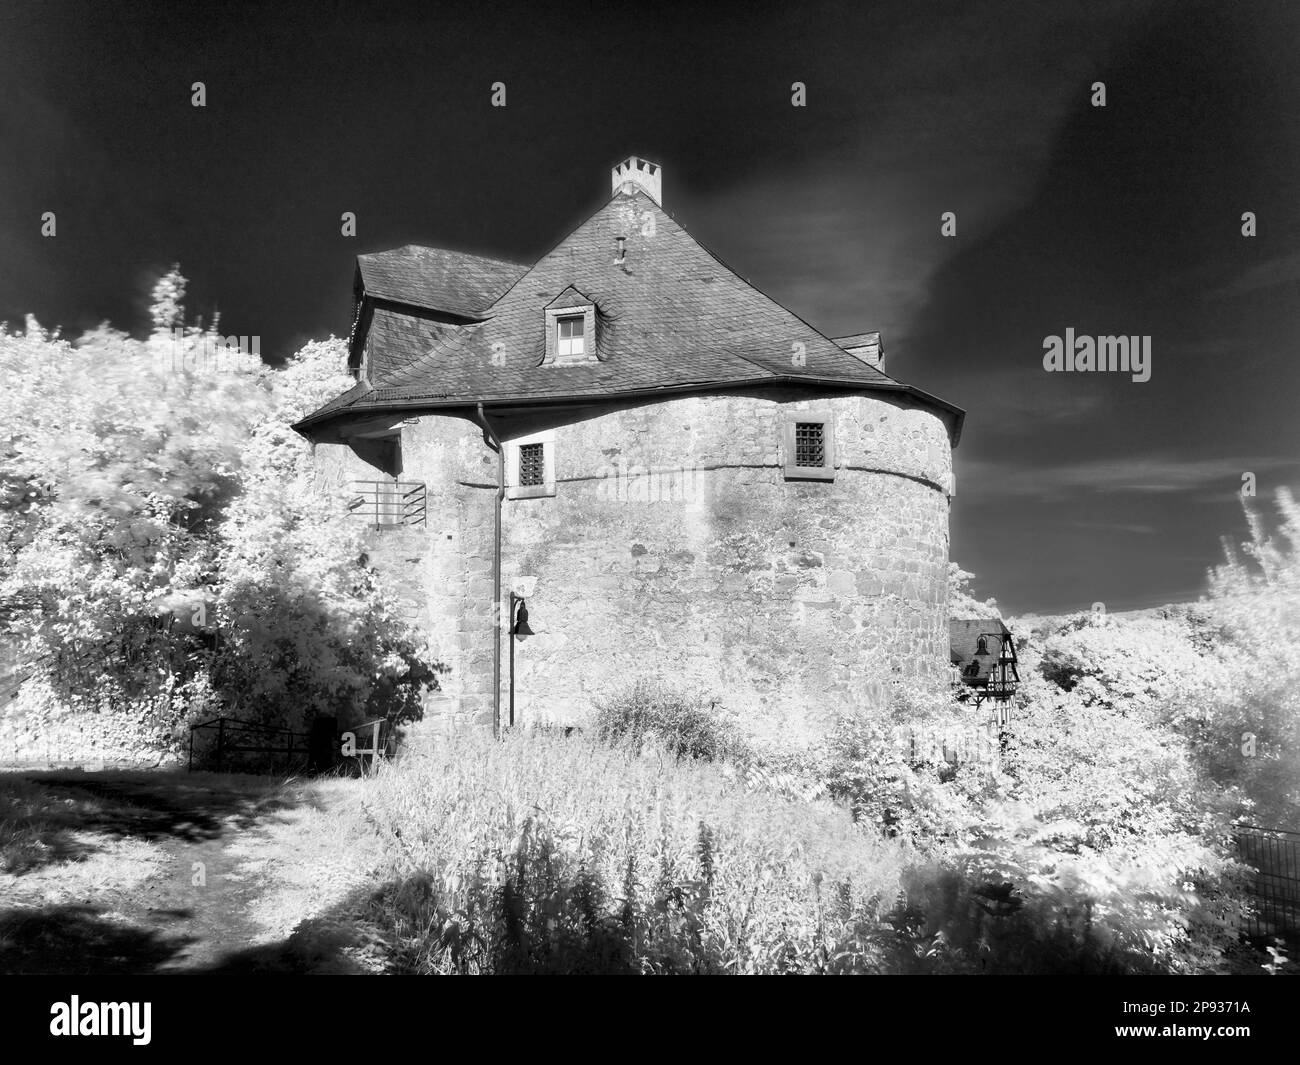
77	940
164	920
50	815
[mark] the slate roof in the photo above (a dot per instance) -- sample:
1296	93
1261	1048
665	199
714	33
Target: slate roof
963	638
672	316
397	338
436	279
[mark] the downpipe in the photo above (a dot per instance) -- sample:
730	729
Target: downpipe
494	442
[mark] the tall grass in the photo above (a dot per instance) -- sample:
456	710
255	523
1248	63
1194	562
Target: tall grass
683	723
542	854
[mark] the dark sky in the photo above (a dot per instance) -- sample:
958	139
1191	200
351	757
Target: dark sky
1072	488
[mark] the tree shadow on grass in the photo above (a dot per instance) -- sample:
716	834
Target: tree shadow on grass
50	820
76	940
359	935
52	817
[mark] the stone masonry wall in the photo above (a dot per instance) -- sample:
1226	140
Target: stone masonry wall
442	571
674	546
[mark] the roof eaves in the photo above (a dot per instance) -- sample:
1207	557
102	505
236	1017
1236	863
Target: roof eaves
406	307
434	400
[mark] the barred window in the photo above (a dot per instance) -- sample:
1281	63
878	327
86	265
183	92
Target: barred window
809	444
809	447
532	464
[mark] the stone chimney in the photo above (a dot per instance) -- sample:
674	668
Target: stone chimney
633	173
865	346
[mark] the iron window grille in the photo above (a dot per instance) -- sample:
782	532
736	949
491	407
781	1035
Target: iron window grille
809	444
532	463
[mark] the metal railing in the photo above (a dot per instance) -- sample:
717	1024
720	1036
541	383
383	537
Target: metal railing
230	738
372	742
388	502
1275	887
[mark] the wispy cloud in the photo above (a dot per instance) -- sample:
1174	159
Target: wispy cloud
1011	402
1140	474
1115	526
860	254
1282	270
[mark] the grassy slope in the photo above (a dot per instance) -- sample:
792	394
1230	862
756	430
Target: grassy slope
536	854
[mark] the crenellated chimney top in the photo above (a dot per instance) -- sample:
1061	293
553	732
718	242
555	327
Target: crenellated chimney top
633	173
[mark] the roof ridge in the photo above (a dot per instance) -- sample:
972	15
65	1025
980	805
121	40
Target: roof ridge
450	251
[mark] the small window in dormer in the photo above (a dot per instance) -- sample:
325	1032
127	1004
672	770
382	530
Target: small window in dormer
570	336
532	463
572	330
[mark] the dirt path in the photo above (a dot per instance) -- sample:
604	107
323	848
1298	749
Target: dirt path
202	900
155	873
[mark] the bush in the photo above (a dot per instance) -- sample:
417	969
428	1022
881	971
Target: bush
1100	776
1016	906
1250	726
685	725
1128	663
889	765
165	555
1091	842
962	603
120	461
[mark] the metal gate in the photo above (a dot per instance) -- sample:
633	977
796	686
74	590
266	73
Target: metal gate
1275	886
231	742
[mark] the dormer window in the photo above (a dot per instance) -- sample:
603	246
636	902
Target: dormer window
571	324
569	340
